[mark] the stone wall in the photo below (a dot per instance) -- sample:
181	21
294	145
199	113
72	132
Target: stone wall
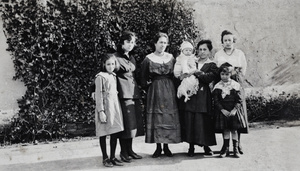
267	31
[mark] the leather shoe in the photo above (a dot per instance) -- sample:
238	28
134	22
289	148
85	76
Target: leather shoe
208	151
135	156
116	162
191	152
125	158
168	152
240	149
157	153
106	162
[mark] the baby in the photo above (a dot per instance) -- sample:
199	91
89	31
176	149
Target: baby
185	66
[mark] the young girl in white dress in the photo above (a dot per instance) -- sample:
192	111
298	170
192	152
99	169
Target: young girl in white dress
186	65
108	115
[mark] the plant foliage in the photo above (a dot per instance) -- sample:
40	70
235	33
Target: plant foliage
57	47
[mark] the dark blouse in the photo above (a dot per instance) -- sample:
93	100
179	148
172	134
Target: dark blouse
202	101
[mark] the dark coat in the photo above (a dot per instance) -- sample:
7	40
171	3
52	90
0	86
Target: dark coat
202	101
127	86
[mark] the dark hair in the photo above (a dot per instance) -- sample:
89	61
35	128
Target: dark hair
159	35
226	32
207	42
126	35
107	57
225	67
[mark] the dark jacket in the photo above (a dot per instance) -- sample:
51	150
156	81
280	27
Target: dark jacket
126	83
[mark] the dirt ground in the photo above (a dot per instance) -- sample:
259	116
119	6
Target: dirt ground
266	148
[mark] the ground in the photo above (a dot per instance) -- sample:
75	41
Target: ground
266	147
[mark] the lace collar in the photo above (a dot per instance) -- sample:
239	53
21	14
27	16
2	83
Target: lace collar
227	86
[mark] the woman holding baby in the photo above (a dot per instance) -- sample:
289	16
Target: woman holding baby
198	126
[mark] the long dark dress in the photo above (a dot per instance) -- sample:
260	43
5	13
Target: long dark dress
228	101
198	127
129	95
162	118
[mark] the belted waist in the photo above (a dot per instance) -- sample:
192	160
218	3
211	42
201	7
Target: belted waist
159	77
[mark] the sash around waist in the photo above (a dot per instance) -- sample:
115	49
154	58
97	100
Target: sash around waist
159	77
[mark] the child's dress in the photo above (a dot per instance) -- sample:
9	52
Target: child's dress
106	96
190	85
226	96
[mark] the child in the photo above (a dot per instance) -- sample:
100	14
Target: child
108	115
184	68
227	100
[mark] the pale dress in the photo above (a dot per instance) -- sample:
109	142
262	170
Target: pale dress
189	85
106	96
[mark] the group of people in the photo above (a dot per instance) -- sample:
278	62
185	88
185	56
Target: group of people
209	98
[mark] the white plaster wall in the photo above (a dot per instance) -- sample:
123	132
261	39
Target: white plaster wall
10	90
267	31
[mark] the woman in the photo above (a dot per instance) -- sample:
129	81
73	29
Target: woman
198	123
162	119
237	59
129	96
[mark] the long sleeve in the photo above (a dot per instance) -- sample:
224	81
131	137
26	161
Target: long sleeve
99	94
208	75
238	99
144	73
216	98
177	69
243	63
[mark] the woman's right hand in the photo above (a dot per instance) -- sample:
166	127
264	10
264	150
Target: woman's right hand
102	117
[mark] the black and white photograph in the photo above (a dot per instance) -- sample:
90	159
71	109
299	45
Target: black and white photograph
152	85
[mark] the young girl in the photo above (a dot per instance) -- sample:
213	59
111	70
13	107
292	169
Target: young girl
186	65
108	115
227	100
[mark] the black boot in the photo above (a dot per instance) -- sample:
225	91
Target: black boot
225	152
191	151
124	151
235	148
208	151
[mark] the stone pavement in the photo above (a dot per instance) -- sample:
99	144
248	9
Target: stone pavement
266	148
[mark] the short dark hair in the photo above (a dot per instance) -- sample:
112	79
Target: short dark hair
225	67
126	35
207	42
226	32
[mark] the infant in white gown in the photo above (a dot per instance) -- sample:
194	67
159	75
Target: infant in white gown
186	65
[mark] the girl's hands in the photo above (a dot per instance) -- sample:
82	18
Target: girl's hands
225	112
102	116
233	112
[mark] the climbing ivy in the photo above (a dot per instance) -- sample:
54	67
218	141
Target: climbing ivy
57	47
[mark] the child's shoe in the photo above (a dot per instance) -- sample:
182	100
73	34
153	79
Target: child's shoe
107	163
235	149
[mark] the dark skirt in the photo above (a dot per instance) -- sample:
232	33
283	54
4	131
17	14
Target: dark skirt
198	129
133	119
162	117
223	123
